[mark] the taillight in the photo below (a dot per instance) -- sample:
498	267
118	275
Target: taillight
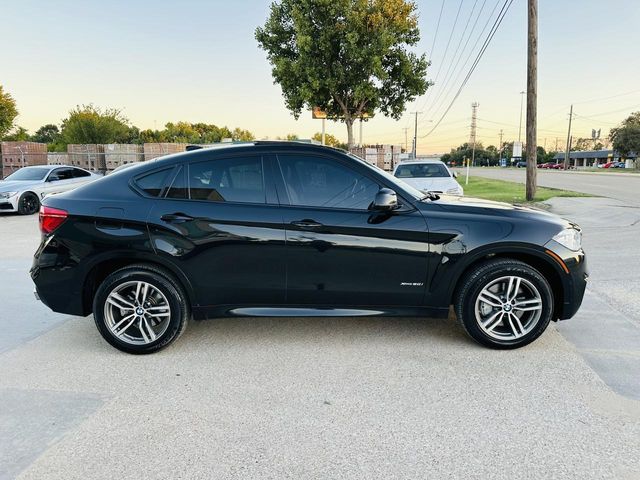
51	218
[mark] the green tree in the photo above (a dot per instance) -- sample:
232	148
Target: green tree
90	124
8	112
348	57
240	135
48	133
329	140
20	134
626	137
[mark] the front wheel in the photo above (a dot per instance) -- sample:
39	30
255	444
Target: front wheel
140	309
28	203
504	304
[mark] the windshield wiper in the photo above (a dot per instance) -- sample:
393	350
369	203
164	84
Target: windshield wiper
430	196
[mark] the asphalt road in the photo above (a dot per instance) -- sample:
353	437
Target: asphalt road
325	398
619	186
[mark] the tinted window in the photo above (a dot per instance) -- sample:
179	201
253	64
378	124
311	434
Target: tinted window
29	173
61	174
422	170
77	173
320	182
227	180
153	183
178	188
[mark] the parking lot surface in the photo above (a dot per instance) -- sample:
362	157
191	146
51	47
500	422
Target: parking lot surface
327	398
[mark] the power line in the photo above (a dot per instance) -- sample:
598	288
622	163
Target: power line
466	60
450	71
494	28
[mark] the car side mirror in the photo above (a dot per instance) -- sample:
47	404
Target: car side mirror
455	174
386	200
53	179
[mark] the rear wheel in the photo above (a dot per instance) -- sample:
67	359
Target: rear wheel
140	309
504	304
28	203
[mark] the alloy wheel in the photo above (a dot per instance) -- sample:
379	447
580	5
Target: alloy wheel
508	308
137	313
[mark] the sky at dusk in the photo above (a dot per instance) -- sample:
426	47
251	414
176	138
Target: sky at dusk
198	61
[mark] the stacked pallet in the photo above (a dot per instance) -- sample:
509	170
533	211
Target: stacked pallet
89	156
58	158
16	155
154	150
117	154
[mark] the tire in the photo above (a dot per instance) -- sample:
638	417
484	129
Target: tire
28	203
486	305
134	326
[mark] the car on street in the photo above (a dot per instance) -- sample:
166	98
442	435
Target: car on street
521	164
292	229
428	176
24	189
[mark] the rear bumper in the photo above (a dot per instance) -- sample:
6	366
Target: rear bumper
55	275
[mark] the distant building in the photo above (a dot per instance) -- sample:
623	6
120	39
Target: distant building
591	158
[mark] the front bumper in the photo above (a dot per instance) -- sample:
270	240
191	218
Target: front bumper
574	276
9	204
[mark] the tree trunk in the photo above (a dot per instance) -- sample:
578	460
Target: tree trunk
349	123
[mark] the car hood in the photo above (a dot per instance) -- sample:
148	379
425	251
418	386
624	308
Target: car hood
478	206
17	185
435	184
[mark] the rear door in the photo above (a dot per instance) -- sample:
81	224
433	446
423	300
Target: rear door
219	221
340	253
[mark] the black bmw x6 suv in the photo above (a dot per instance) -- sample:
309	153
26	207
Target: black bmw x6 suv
292	229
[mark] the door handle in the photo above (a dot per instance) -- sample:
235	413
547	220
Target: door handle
176	217
306	223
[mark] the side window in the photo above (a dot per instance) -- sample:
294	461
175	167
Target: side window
153	183
77	173
321	182
178	188
228	180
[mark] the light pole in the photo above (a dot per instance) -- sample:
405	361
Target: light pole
520	128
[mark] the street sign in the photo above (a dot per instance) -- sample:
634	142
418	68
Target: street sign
517	150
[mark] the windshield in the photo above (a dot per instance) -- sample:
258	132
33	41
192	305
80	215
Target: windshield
422	170
417	194
29	173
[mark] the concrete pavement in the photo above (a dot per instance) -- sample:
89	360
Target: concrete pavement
316	398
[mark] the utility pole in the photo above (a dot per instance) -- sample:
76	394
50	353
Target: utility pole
500	148
406	140
415	135
532	100
472	137
566	153
360	132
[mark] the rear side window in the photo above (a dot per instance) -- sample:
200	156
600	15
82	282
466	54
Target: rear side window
228	180
153	183
77	173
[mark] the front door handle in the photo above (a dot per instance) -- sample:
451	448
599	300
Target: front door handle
306	223
176	218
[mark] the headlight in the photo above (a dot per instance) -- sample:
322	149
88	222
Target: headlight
7	194
570	238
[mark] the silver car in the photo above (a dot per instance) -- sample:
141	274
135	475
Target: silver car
24	189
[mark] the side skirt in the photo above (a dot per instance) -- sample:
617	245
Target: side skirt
220	311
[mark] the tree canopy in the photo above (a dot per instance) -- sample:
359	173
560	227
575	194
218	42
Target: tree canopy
90	124
348	57
626	136
329	140
8	112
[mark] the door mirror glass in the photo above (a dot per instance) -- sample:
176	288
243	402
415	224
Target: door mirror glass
455	174
53	178
386	199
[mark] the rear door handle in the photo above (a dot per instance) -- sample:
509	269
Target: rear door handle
306	223
176	217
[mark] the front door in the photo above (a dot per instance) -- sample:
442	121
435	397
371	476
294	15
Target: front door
220	222
340	253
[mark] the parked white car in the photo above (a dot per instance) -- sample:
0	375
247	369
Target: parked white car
24	189
429	176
